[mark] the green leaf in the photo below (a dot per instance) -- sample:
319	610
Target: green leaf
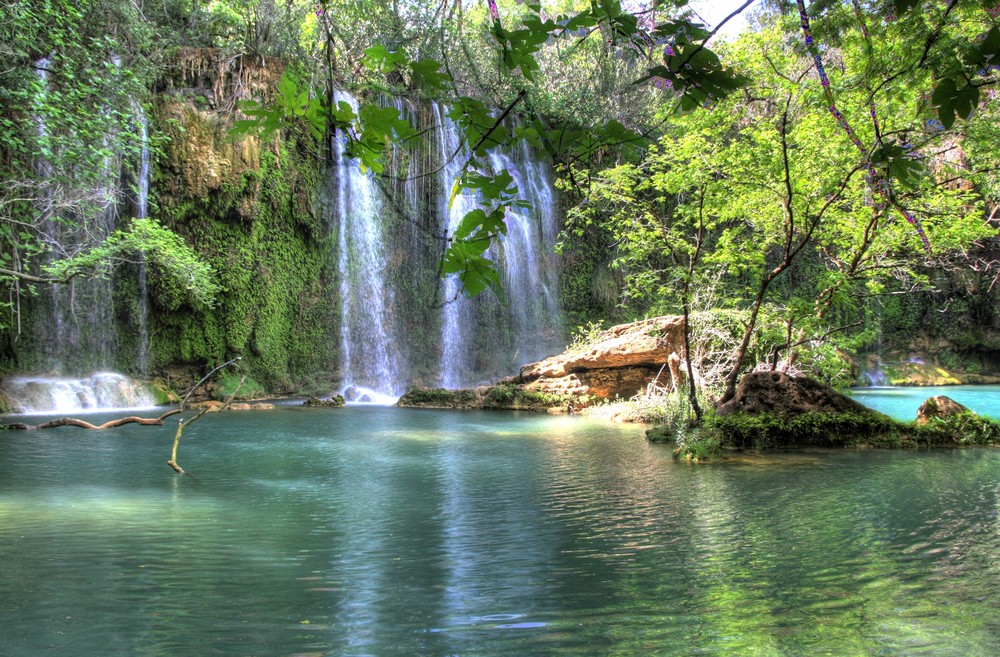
426	73
380	58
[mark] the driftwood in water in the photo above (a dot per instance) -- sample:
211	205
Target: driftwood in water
83	424
184	424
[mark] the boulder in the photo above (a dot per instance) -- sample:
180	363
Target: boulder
939	407
779	394
619	363
648	343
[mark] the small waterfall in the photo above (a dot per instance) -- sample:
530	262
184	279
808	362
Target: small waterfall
73	323
142	211
370	363
42	68
101	391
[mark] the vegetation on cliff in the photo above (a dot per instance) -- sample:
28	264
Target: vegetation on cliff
830	152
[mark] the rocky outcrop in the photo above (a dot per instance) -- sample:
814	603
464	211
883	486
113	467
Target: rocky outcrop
785	396
620	363
648	343
336	401
939	407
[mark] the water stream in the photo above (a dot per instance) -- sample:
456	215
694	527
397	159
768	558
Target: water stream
100	391
142	211
392	532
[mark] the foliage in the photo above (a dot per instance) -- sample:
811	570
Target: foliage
966	429
762	169
585	335
670	410
181	271
71	90
698	446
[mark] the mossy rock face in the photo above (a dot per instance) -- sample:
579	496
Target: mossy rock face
6	404
504	396
813	429
163	395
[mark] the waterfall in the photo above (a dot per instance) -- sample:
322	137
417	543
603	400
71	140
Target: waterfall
458	311
370	365
482	337
142	211
73	325
101	391
395	330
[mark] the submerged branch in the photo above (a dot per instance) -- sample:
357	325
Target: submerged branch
182	425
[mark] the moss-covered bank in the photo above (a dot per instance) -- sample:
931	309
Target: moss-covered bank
251	210
772	410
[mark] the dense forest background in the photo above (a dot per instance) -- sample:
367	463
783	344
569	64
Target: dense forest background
819	193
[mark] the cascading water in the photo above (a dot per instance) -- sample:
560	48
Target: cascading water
98	392
527	326
142	211
395	330
74	322
458	311
370	365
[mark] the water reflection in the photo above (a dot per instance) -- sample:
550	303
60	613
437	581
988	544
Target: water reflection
384	532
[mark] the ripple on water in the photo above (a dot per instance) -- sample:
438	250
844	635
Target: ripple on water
488	535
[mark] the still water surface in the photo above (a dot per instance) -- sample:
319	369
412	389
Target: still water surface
902	402
391	532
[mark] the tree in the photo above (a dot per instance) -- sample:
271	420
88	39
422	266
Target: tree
759	200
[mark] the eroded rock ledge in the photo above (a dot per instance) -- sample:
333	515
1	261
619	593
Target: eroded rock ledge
619	363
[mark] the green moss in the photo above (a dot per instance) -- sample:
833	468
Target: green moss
439	398
229	383
769	431
509	396
255	219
